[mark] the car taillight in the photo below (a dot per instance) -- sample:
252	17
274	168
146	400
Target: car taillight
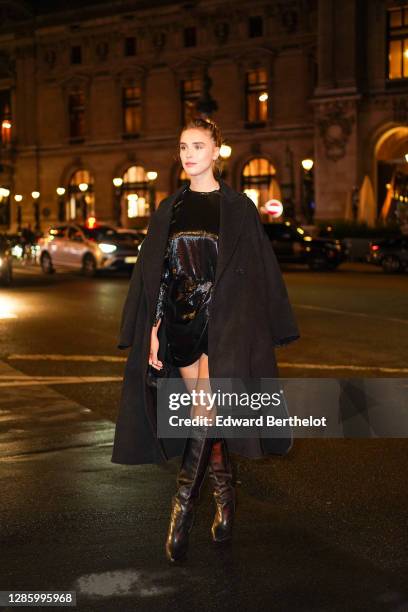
374	247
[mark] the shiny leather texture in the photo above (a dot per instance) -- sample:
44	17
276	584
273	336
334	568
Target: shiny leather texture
220	473
193	468
188	275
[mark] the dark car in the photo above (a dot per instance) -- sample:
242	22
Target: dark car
390	253
6	266
292	244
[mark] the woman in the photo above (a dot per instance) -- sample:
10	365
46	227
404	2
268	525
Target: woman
207	296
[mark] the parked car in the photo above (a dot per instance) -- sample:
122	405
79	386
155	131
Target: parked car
390	253
292	244
88	249
6	265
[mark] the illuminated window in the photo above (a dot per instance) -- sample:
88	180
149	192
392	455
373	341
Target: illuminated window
256	92
190	94
397	29
135	192
76	109
5	117
80	198
132	111
258	180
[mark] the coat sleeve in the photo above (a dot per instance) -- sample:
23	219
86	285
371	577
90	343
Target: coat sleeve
132	303
136	290
280	314
164	287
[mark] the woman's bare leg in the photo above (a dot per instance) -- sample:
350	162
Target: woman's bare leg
190	375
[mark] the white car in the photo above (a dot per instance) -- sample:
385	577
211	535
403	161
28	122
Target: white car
71	246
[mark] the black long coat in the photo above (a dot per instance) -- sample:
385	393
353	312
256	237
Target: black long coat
250	314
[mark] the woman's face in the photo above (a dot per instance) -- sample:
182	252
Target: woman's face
197	151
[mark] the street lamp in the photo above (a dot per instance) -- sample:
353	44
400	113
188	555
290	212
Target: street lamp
225	154
117	183
308	200
36	205
151	177
4	206
83	188
61	203
19	198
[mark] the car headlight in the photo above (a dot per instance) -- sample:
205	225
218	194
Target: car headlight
107	248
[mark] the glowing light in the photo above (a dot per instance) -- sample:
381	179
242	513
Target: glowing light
83	186
4	192
60	191
253	194
91	222
225	151
107	248
274	207
132	205
18	197
35	195
406	157
117	181
6	124
151	175
263	97
307	164
6	308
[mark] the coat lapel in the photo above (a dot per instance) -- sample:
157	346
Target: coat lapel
232	212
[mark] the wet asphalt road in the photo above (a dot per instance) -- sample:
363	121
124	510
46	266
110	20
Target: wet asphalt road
323	528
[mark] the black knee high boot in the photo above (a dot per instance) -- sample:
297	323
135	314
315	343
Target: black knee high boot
220	472
191	475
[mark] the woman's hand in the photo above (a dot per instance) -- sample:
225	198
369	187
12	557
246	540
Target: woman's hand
154	348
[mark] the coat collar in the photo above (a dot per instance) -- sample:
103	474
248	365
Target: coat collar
232	209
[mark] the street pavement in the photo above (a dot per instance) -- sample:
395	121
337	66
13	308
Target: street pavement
322	528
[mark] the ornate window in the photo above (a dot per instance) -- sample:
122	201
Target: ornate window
76	54
76	111
397	39
256	94
259	182
130	46
190	94
190	36
80	202
132	110
135	196
255	26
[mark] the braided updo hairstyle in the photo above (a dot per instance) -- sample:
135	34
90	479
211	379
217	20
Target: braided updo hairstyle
215	132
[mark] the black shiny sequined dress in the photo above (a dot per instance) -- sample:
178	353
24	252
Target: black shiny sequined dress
188	275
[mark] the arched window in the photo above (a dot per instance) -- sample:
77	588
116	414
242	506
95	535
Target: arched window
135	195
258	180
80	196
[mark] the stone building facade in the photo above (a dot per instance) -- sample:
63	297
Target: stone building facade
92	99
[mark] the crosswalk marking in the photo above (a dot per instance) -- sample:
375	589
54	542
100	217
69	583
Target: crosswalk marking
28	381
52	357
118	359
